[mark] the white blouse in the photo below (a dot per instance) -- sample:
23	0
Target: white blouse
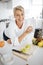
13	32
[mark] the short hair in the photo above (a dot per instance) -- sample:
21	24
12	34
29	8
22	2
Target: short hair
18	8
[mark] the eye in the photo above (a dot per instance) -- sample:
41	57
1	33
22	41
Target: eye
17	15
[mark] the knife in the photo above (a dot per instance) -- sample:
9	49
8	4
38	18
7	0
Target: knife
19	51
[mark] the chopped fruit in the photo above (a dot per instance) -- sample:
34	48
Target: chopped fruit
2	43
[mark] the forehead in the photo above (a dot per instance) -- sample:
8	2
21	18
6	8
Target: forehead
19	11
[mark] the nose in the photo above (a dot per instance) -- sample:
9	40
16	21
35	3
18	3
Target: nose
21	17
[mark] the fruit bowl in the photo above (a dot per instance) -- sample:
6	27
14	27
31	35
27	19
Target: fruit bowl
38	42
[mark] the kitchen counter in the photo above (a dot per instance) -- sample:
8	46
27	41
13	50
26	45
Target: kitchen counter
36	59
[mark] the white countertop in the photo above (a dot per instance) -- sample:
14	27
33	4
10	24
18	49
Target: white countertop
36	59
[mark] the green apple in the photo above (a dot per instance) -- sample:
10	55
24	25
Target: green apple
24	50
27	46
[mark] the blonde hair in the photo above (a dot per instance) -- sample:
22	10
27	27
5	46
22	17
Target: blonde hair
18	8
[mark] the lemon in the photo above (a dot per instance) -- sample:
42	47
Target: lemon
40	44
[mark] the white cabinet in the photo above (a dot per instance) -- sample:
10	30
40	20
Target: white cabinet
6	3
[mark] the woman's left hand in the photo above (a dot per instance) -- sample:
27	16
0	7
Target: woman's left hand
9	41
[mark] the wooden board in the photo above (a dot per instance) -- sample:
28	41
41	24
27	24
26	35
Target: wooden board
25	57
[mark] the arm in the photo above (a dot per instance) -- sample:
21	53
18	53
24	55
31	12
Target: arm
28	30
20	38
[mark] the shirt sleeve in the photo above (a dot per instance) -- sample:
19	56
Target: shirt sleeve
10	32
31	22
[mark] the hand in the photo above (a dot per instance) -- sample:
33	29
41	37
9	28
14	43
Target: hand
9	41
29	29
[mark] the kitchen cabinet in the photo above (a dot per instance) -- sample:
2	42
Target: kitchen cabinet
6	3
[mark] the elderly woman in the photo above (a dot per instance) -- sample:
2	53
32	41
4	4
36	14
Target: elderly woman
18	28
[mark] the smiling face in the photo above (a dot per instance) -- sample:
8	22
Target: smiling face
19	16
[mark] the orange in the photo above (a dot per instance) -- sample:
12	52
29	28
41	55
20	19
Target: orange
2	43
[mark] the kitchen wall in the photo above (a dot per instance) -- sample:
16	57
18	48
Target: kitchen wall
33	8
27	4
5	10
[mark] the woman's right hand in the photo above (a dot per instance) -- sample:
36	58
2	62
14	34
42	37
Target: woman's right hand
29	29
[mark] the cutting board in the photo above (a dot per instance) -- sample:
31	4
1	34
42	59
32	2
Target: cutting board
30	52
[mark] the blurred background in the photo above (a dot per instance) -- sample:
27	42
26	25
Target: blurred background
33	8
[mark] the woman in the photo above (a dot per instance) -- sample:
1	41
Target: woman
18	28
